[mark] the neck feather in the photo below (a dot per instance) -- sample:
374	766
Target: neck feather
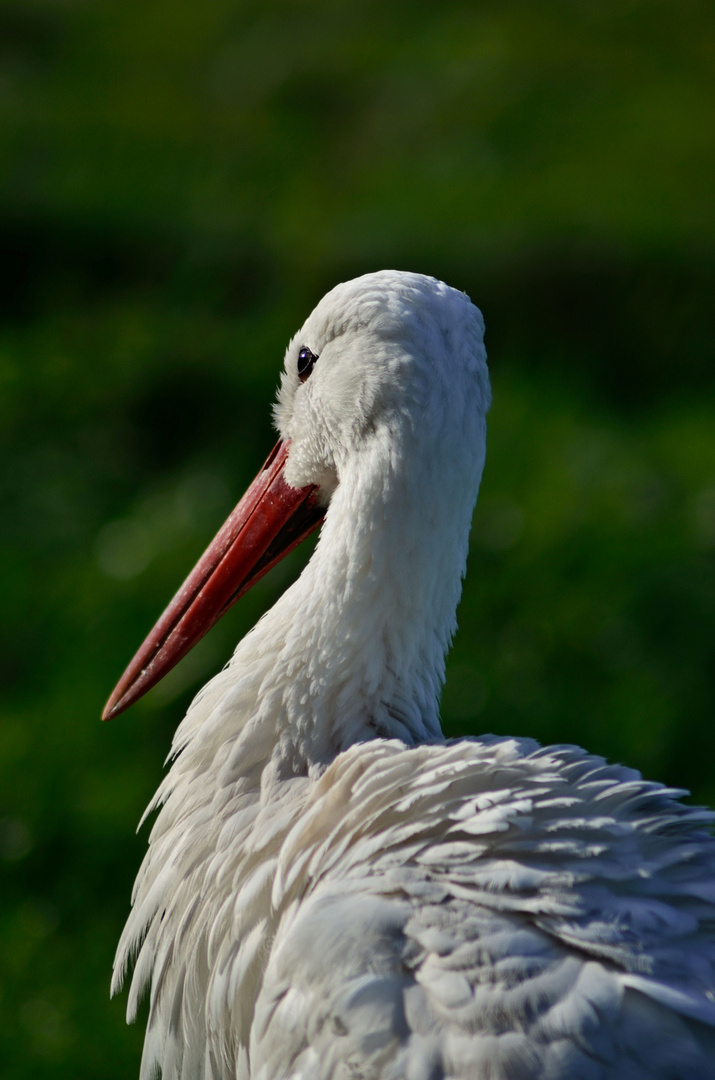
355	649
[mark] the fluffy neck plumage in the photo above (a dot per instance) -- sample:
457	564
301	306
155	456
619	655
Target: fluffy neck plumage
366	627
355	649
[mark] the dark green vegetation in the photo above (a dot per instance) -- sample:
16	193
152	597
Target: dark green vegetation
179	184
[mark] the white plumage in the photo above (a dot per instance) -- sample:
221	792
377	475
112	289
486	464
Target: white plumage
333	891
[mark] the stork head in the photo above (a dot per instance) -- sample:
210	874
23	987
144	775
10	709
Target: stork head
382	357
387	376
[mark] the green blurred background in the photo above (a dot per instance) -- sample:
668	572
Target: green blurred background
179	184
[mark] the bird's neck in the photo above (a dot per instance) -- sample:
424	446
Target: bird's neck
355	649
366	627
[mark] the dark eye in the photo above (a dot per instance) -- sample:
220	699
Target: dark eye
306	361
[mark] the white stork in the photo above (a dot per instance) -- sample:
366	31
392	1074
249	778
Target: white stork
331	889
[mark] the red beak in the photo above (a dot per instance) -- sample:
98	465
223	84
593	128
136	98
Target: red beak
269	521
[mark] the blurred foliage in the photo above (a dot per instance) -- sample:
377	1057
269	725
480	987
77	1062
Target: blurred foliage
179	184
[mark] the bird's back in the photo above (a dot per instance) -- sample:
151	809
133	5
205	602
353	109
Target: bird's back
491	909
482	908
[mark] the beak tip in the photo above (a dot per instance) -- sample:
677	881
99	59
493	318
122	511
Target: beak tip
108	711
117	704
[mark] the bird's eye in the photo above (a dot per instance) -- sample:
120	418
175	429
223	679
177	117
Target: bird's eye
306	361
